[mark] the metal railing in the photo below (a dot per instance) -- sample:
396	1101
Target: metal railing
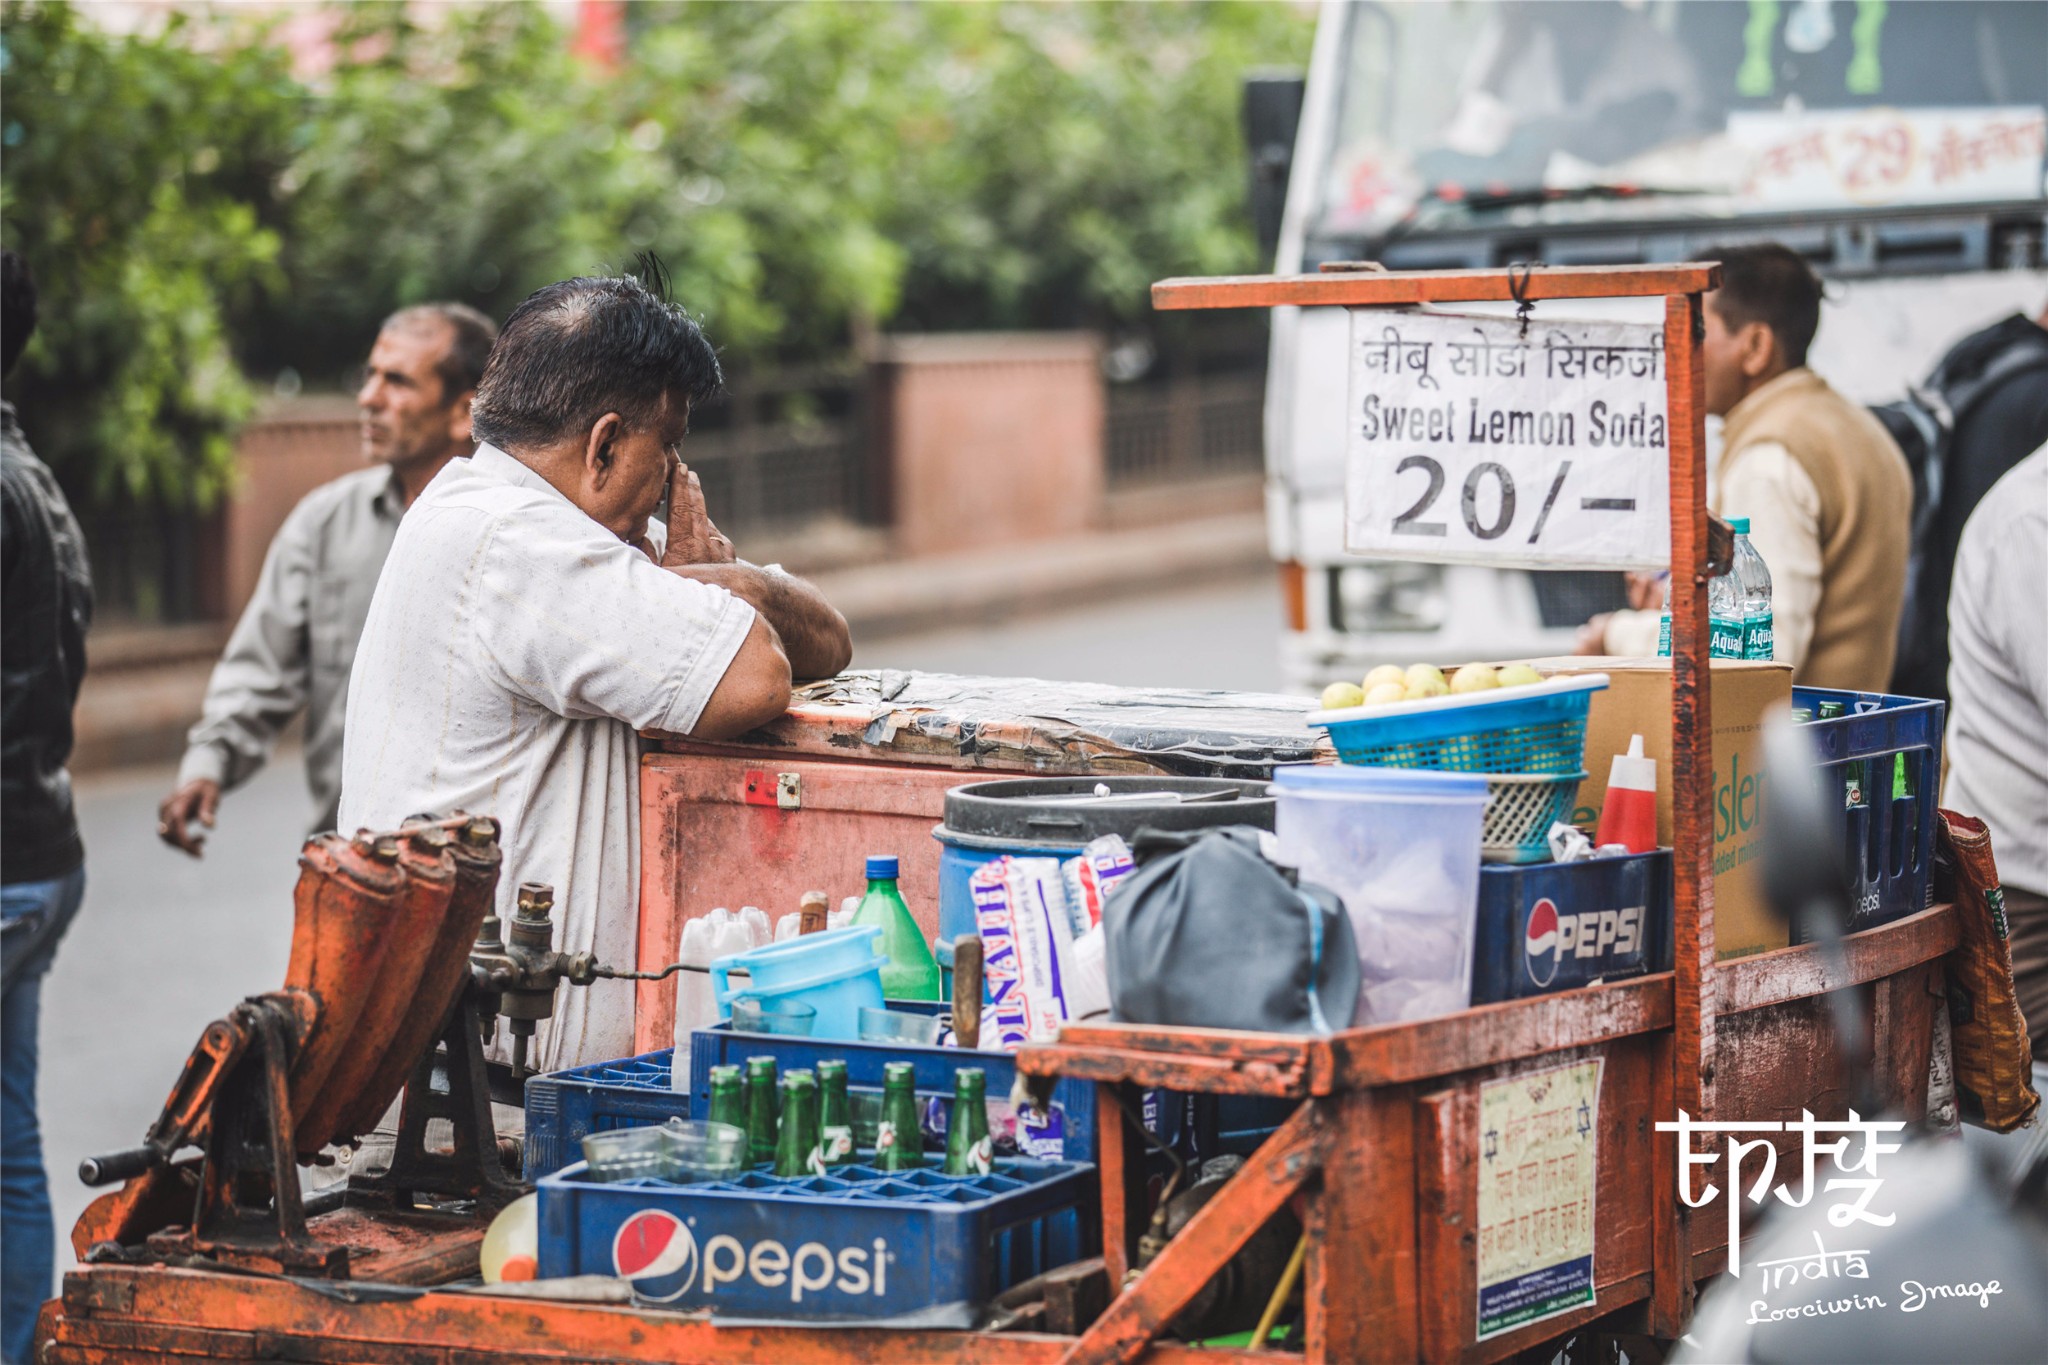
1187	428
787	447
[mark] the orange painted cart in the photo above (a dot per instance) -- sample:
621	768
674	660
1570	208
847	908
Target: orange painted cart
1379	1157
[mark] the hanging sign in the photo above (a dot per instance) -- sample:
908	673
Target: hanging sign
1483	441
1538	1150
1829	158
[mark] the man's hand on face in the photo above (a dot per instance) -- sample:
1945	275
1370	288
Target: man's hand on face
197	800
692	539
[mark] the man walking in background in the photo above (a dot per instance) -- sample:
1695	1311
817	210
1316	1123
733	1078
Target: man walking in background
45	608
297	638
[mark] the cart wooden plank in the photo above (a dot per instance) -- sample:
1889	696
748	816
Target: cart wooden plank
123	1313
1362	288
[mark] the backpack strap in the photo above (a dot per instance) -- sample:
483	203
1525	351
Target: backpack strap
1938	408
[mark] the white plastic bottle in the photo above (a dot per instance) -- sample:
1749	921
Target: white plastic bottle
759	932
694	1005
1753	586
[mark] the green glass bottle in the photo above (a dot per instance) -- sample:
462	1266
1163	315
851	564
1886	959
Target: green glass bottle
911	973
728	1097
1902	781
796	1147
968	1147
835	1114
762	1099
899	1146
1852	773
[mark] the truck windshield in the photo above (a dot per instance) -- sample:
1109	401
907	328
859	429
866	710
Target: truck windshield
1573	111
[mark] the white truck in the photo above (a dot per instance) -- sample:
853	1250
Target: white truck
1899	146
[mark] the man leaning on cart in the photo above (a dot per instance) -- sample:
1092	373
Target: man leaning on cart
533	616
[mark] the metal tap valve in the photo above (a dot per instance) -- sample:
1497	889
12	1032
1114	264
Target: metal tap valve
517	970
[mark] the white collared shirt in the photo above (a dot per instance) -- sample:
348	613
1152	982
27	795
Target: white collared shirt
513	648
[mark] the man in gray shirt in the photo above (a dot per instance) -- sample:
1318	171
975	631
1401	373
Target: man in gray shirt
1998	709
297	638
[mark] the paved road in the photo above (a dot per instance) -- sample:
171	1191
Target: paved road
1226	637
165	944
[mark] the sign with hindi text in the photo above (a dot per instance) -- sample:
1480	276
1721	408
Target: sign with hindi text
1484	441
1831	158
1538	1152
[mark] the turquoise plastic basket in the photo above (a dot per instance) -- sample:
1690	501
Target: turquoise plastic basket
1536	729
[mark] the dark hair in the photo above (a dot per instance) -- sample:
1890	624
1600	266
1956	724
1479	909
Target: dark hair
1769	282
469	348
17	308
576	350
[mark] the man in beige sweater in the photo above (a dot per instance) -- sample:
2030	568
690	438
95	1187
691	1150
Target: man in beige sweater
1826	491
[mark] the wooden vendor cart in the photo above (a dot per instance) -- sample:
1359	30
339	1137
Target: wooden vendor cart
1381	1156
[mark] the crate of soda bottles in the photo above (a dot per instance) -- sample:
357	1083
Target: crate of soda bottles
1549	927
565	1107
806	1223
1066	1133
1881	756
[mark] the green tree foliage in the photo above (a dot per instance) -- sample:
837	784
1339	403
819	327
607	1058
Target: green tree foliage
808	171
134	185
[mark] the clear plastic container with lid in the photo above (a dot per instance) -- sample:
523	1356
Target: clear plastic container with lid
1400	846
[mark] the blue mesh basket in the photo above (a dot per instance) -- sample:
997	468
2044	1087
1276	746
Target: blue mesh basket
1537	728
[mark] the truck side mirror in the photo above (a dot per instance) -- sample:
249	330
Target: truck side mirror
1272	110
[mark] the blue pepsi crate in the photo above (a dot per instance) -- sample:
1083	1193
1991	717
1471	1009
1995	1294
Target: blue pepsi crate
565	1107
1547	927
857	1245
1889	839
1069	1137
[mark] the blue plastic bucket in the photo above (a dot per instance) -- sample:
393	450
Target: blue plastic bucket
837	973
960	856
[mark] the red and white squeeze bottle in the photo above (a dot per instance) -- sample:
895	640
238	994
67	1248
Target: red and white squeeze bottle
1628	816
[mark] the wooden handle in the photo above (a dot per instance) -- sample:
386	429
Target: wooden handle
811	910
967	990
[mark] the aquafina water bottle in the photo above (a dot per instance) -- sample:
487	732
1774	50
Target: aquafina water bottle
1753	589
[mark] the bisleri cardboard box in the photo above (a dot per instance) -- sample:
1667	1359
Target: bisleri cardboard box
1638	702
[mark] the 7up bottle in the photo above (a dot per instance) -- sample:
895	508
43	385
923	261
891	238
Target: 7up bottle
968	1150
796	1144
835	1118
899	1144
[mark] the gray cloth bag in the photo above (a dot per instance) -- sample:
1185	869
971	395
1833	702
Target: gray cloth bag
1208	934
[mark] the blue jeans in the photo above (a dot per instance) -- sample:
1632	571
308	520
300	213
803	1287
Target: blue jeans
33	917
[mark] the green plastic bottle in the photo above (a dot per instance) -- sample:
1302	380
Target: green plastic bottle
911	973
796	1147
835	1114
899	1143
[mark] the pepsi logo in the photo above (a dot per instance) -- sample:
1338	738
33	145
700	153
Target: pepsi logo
657	1253
1539	942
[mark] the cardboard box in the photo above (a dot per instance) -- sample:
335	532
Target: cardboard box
1638	702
